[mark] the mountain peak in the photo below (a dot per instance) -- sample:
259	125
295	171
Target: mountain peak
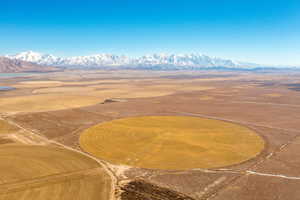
29	53
8	65
36	57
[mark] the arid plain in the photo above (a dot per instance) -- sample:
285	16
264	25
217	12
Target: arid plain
150	135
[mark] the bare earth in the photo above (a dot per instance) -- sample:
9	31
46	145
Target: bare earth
47	114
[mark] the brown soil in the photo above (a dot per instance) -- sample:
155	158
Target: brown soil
5	141
141	190
240	98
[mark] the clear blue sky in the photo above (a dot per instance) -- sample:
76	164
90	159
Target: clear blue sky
262	31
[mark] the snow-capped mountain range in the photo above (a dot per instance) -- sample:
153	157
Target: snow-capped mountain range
13	66
159	61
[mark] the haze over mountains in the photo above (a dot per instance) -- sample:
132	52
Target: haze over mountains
155	61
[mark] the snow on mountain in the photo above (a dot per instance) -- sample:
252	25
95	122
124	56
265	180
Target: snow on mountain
84	61
190	60
163	61
34	57
8	65
96	60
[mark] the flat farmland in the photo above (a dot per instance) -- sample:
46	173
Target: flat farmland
40	172
171	142
40	96
239	138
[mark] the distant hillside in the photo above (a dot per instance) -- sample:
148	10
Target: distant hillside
12	66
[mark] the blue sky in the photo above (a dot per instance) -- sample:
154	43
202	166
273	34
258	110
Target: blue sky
261	31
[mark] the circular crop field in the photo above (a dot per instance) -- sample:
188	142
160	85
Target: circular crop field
39	173
171	142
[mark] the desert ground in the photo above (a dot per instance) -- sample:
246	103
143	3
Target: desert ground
150	135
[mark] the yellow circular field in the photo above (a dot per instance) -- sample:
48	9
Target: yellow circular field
171	142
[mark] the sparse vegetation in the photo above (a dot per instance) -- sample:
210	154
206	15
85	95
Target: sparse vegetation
54	111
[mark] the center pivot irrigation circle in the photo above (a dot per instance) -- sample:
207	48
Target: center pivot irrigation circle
171	142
